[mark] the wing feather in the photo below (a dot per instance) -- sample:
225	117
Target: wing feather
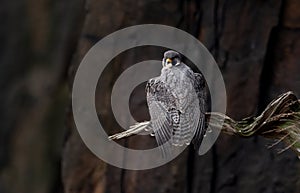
200	87
160	101
175	119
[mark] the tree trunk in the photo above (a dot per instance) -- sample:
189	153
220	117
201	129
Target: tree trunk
254	42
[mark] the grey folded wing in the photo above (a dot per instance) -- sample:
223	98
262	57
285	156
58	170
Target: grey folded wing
160	101
167	121
202	92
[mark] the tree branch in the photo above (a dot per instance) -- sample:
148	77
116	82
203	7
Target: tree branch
280	121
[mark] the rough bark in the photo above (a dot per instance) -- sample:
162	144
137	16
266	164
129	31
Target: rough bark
227	29
240	35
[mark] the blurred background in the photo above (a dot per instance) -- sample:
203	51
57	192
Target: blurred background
256	44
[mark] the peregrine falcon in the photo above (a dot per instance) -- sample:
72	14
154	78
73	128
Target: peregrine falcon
177	102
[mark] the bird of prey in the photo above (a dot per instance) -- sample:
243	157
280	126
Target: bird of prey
177	101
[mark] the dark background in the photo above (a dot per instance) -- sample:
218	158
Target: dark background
255	43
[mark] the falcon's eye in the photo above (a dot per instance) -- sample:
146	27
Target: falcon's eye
174	62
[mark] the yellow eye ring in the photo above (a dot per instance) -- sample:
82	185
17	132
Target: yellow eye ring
169	60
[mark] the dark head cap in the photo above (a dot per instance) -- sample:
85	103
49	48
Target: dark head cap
171	58
172	54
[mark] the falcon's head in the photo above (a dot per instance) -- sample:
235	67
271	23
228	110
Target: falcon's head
171	58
